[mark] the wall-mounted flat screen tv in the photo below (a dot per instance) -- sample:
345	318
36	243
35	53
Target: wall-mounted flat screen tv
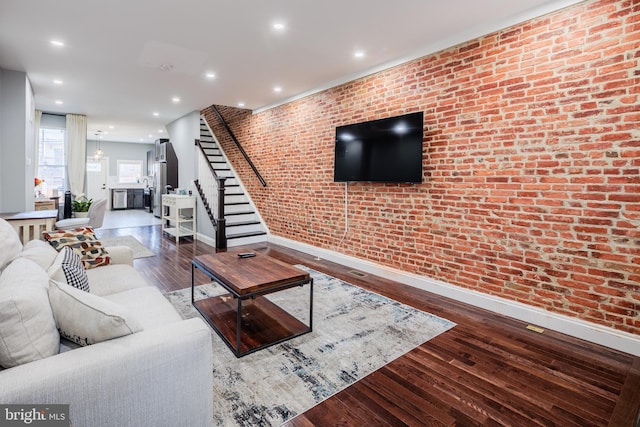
385	150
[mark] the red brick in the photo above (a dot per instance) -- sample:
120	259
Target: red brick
531	159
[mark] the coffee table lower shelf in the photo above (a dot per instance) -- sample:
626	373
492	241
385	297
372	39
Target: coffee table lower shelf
263	323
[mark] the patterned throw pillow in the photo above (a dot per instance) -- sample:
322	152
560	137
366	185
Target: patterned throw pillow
73	269
67	268
83	242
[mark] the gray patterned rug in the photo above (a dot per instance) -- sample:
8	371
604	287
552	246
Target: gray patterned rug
354	333
139	250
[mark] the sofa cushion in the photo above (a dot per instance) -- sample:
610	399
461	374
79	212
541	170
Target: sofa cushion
84	242
10	244
151	307
39	252
87	319
67	268
27	327
114	278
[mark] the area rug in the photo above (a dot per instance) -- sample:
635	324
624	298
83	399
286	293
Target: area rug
139	250
354	333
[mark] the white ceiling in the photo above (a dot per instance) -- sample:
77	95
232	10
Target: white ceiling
114	49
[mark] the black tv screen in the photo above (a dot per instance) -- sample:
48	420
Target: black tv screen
385	150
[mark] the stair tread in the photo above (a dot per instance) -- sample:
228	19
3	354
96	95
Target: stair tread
236	203
250	234
239	213
241	223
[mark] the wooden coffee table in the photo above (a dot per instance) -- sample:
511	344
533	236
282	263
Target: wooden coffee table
244	319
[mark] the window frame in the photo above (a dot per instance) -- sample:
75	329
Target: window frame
45	145
133	178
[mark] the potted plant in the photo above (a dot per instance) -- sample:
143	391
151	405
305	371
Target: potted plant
80	206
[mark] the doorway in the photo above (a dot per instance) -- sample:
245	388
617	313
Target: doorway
97	176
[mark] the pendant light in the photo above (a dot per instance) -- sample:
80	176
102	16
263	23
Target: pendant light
98	154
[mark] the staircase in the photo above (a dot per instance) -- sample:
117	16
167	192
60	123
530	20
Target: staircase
243	225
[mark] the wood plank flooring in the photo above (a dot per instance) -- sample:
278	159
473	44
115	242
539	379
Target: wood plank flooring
489	370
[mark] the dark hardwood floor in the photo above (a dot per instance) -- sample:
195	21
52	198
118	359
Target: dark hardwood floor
489	370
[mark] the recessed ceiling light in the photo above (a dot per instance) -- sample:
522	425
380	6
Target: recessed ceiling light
210	75
150	136
105	133
240	104
160	131
141	139
175	99
155	113
277	89
279	26
358	54
111	126
58	82
59	102
57	43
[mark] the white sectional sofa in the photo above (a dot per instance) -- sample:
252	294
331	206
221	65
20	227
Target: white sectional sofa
157	374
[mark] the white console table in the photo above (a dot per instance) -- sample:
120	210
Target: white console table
30	225
179	216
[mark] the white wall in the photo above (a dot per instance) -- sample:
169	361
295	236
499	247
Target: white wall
121	151
182	133
16	151
1	145
30	145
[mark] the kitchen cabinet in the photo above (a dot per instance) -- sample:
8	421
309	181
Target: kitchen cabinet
179	216
161	150
135	198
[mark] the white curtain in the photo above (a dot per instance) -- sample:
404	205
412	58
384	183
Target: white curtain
76	152
36	151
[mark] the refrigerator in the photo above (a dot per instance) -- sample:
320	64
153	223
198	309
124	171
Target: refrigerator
165	173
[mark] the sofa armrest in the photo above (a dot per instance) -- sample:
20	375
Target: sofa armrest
160	376
121	255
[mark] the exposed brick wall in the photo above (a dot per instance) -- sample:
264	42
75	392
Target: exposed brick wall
531	186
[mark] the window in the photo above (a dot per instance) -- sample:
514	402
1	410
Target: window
129	171
52	162
93	165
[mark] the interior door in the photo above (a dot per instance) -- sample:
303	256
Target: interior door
97	174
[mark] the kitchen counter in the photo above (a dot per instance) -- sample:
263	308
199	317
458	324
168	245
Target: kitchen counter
128	186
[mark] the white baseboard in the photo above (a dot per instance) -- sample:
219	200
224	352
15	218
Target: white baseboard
591	332
206	239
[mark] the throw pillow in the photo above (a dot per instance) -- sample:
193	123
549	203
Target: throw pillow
27	327
39	252
84	242
10	244
67	268
87	319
